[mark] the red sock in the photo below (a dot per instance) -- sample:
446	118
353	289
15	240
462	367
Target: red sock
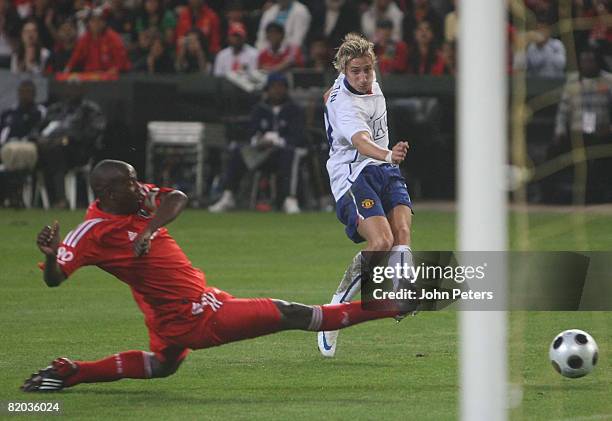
339	316
129	364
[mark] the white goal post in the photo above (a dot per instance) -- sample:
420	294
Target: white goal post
482	224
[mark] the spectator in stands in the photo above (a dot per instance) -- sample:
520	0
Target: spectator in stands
159	60
202	18
277	129
424	57
544	56
382	10
451	24
31	56
139	55
18	127
333	19
600	37
418	11
153	15
64	46
235	12
72	133
43	15
585	111
392	55
319	56
9	32
99	49
292	15
192	55
121	20
238	56
278	56
449	54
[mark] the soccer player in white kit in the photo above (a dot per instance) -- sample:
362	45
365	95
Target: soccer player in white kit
371	196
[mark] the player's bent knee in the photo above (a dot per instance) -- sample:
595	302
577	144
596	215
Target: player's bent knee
381	243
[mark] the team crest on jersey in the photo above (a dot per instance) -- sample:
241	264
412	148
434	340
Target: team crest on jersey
132	235
367	203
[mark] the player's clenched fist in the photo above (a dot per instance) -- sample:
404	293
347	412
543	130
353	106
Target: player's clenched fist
48	239
399	151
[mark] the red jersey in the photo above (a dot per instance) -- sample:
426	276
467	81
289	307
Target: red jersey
207	21
268	58
103	53
164	275
392	58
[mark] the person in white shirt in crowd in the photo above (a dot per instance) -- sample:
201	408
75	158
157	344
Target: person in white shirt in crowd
382	10
544	57
292	15
238	56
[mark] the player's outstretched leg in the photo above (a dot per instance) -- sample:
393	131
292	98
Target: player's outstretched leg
63	372
328	317
349	286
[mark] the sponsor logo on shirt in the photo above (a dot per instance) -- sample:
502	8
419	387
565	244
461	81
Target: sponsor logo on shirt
379	127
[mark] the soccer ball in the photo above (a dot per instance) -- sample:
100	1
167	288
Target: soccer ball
573	353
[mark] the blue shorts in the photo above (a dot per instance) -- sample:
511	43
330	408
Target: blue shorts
375	192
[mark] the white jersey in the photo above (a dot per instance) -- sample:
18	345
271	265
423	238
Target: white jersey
346	113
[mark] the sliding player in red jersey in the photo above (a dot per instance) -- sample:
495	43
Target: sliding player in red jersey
124	235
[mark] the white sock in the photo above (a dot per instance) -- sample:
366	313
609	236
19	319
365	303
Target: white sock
401	255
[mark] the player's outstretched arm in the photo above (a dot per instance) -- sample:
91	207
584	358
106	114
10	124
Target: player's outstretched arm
365	146
172	204
48	242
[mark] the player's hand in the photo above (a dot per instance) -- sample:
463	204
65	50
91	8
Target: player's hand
142	243
399	151
48	239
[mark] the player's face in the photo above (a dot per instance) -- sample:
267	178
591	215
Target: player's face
126	193
360	74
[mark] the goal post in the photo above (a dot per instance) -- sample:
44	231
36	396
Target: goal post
482	219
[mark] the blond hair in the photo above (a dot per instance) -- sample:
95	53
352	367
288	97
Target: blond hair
353	46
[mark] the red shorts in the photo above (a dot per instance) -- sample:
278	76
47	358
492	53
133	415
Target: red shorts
218	318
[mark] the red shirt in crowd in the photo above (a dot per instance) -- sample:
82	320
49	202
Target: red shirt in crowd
392	58
102	53
269	58
207	22
423	64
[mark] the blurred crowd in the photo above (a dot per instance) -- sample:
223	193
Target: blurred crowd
217	37
266	38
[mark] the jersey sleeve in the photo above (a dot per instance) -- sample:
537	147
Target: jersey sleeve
79	248
351	119
152	196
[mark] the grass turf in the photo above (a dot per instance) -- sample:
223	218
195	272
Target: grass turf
376	373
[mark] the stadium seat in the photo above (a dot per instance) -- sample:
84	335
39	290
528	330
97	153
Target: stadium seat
71	185
300	153
175	156
37	184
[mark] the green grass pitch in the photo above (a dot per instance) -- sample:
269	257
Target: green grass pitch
376	373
